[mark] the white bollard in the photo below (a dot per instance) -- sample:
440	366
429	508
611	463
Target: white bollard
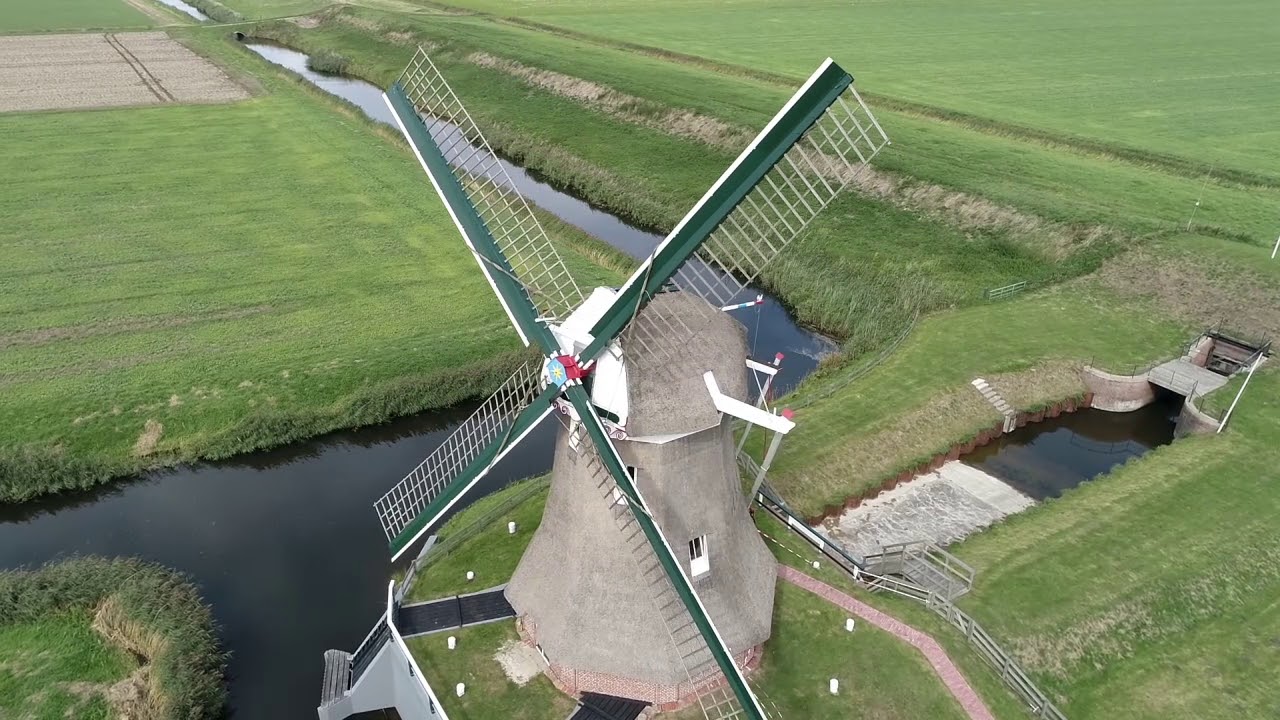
453	642
470	576
511	528
461	689
848	624
815	564
834	687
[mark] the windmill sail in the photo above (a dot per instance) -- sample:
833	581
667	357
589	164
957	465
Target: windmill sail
415	503
421	96
803	159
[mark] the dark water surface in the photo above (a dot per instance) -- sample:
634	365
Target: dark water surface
1043	459
285	544
770	327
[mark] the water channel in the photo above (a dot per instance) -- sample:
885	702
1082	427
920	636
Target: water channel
284	544
185	9
1041	460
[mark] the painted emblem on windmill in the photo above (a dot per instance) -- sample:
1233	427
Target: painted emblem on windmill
556	372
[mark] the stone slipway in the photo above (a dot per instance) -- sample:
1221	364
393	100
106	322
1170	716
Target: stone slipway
942	506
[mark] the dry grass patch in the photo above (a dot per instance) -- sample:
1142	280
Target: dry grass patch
628	108
1197	289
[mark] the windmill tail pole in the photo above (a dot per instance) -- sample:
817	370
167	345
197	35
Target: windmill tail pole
764	394
768	458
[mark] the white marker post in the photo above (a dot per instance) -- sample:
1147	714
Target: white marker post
1276	248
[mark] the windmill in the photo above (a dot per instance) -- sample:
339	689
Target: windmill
646	526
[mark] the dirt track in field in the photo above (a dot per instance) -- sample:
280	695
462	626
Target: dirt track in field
64	72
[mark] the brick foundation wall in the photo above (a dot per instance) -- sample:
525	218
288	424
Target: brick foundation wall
1117	393
665	697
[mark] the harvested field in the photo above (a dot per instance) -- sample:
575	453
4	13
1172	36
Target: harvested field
64	72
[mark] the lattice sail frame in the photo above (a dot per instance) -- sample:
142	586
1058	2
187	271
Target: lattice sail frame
408	499
485	180
776	212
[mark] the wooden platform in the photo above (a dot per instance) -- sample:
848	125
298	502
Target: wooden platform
1185	378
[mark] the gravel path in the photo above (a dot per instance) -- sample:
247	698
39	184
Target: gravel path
62	72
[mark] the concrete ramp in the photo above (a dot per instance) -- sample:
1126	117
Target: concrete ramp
1185	378
940	507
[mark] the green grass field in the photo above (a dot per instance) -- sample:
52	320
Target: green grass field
1115	72
58	668
24	16
195	281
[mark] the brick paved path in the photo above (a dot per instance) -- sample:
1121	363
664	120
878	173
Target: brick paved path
932	651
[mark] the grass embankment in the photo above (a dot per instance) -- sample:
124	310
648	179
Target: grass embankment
1112	73
645	136
93	638
1057	181
880	677
446	575
918	402
198	281
29	16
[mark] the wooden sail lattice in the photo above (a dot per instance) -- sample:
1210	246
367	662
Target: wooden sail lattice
508	217
408	499
776	212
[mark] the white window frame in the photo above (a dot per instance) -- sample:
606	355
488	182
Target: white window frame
699	556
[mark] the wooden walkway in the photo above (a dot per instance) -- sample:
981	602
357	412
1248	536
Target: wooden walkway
950	675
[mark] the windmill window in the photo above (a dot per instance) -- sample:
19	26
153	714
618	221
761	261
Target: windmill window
699	562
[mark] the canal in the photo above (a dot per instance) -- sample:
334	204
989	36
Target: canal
1042	460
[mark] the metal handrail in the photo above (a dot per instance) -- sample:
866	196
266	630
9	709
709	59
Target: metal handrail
1010	672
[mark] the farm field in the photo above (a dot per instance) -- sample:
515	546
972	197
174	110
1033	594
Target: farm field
1121	73
76	71
19	16
297	277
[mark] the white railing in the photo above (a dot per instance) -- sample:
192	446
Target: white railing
434	701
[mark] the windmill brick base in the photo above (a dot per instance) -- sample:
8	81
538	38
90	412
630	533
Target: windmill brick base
664	697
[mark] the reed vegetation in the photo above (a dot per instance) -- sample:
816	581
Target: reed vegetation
159	632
